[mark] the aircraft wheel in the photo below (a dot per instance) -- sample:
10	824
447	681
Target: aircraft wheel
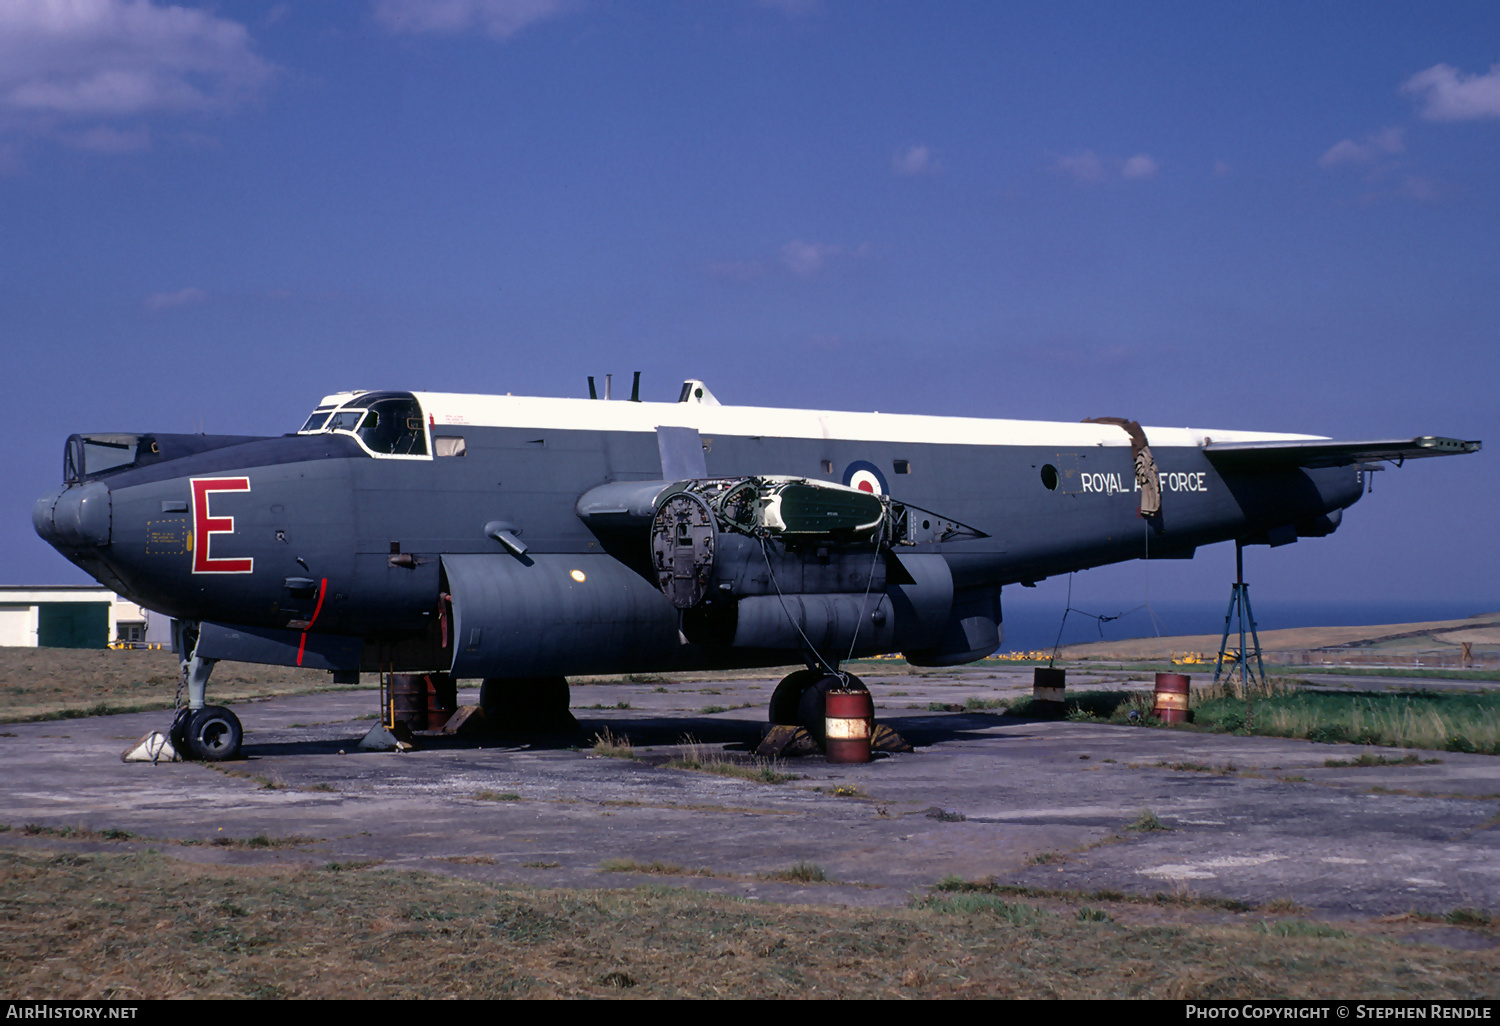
813	708
214	734
788	696
177	733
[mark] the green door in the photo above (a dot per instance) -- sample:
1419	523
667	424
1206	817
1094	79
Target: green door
73	625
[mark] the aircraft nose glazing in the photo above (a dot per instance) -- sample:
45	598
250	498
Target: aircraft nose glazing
77	516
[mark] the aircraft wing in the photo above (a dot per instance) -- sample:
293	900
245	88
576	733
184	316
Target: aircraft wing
1329	453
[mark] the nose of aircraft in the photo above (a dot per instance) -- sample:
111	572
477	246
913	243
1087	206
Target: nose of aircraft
77	516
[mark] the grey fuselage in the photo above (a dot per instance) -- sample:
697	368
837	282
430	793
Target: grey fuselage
338	551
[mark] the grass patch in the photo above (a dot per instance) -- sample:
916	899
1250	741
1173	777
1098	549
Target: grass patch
496	796
1181	899
1146	821
656	868
1228	769
978	903
1468	917
1454	721
801	871
701	760
1297	928
613	746
128	927
1447	721
352	865
1381	760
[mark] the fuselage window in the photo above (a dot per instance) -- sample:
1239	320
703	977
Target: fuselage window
448	445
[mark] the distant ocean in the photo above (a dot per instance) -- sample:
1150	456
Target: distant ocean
1033	625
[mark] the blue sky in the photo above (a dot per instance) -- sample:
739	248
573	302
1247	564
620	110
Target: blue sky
1278	217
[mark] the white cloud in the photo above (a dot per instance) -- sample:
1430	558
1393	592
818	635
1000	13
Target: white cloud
103	139
108	58
167	300
806	259
914	160
1382	144
499	19
1447	94
1086	168
1139	168
1081	167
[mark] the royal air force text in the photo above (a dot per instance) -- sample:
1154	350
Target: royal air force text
1173	481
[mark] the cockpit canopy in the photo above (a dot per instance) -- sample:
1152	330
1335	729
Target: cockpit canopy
386	423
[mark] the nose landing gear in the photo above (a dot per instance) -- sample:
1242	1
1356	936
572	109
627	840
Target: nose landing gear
210	734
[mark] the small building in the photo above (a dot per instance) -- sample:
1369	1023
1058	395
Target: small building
75	616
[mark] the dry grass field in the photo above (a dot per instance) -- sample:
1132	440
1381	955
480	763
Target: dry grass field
99	925
46	683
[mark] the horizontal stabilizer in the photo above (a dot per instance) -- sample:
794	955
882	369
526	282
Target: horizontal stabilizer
1329	453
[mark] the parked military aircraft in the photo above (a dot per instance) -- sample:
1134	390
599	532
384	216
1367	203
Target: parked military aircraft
522	540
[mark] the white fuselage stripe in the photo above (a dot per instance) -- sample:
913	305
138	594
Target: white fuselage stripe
456	410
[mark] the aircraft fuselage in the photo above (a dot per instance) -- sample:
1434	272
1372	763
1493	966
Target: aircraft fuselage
315	534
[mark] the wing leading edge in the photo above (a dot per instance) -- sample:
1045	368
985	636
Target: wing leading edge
1329	453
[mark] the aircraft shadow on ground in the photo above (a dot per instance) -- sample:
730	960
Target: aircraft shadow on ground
734	735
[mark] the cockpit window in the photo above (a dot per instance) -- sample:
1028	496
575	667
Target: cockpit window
89	455
348	420
389	423
394	426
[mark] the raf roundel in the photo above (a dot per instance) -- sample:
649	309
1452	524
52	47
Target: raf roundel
865	476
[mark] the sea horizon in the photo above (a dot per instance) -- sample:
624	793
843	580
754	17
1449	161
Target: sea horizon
1034	625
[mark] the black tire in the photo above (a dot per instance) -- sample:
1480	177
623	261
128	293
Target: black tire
177	733
788	696
812	710
214	734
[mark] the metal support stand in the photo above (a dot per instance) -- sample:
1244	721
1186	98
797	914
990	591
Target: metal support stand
1239	606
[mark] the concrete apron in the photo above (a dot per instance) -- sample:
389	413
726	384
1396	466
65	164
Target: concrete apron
983	797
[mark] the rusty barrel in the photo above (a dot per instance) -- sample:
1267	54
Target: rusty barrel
1048	689
442	699
849	719
1171	698
409	700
